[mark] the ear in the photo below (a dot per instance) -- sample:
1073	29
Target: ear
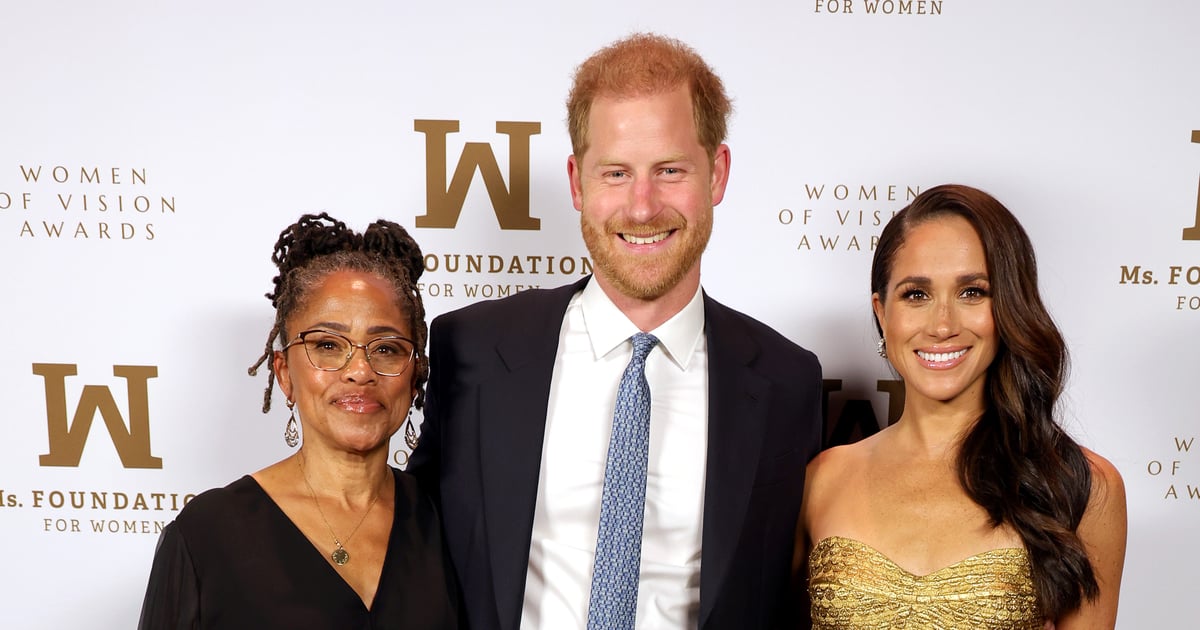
576	181
720	173
877	306
283	376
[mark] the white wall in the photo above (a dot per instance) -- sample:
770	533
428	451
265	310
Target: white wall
1080	116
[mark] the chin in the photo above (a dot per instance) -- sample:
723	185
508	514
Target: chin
365	443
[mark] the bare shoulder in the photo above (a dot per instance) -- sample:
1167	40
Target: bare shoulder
830	473
1103	531
821	478
1108	488
839	463
1104	525
832	463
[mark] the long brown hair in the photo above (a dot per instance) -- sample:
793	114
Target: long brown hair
1016	461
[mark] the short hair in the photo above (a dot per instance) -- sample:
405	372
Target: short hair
318	245
645	64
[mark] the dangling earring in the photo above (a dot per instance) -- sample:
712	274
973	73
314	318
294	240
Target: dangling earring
881	348
410	434
290	435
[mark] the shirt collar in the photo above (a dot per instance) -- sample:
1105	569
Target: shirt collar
608	328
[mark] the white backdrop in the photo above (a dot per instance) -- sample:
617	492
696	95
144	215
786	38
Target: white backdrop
166	146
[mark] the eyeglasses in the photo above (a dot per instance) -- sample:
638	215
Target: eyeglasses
329	351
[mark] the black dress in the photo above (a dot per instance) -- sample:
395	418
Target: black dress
233	559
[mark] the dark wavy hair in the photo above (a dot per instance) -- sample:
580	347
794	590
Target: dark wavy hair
1016	461
318	245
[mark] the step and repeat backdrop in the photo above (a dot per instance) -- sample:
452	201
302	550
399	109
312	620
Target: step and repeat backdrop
150	153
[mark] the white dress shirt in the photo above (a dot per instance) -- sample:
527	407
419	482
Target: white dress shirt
593	351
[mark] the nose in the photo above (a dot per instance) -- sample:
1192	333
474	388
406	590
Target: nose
359	369
644	203
944	320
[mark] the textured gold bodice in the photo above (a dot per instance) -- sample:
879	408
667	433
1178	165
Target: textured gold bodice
854	587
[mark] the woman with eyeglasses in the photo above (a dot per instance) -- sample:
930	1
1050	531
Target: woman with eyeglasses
332	536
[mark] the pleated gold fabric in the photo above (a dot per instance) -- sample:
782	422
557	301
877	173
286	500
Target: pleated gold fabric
854	587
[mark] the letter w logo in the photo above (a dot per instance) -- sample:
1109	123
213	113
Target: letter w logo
510	203
1193	233
66	441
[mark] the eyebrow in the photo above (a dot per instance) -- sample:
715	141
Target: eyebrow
923	281
679	158
373	330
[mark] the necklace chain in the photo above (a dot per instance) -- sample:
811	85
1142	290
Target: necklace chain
339	555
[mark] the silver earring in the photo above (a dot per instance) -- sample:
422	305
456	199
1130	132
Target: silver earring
410	434
881	348
290	435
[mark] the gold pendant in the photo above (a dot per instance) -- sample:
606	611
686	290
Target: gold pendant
340	556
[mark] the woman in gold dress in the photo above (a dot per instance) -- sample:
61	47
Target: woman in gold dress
974	510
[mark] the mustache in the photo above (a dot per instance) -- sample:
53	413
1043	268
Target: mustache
618	225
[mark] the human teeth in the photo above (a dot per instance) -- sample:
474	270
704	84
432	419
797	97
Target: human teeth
644	240
940	357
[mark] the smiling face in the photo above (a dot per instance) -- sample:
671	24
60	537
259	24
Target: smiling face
352	409
936	314
646	188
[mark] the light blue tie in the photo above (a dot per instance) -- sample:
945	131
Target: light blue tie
613	604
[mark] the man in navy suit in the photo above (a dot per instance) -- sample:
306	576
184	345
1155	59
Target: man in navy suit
522	390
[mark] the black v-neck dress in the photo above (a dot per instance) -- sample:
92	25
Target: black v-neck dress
233	559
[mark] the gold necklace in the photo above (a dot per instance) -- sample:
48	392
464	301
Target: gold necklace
339	555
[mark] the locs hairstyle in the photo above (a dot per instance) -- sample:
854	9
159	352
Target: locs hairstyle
1016	461
318	245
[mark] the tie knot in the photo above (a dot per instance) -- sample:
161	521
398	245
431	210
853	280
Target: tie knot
643	343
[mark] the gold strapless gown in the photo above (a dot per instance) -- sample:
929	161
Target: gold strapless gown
854	587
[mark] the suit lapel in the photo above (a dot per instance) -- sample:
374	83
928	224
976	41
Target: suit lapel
736	418
512	415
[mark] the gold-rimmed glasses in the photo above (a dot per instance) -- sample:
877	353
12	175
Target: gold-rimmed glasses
330	351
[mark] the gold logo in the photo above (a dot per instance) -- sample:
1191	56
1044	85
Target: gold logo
444	202
67	440
857	419
1193	233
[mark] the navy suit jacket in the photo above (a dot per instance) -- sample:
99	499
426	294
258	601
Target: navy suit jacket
481	452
